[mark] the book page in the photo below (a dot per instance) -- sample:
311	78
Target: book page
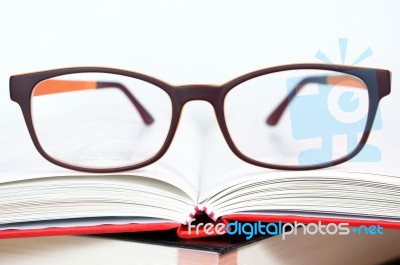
363	190
222	169
89	198
19	160
82	222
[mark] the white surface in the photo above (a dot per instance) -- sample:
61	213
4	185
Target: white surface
193	42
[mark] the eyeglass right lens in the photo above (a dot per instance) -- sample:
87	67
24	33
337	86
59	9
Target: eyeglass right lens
297	117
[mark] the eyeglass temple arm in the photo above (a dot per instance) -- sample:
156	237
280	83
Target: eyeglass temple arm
59	86
146	116
344	80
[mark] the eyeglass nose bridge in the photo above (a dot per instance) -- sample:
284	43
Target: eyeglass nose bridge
209	93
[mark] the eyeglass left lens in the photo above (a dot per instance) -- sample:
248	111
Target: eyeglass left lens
100	120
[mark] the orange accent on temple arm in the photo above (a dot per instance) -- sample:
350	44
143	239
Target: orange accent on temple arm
58	86
343	80
53	86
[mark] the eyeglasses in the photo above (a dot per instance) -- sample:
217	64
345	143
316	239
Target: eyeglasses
106	120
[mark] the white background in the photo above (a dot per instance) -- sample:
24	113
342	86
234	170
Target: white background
193	41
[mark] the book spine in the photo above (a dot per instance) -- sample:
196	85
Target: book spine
198	210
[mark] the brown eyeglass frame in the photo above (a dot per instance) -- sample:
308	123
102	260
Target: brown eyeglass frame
377	81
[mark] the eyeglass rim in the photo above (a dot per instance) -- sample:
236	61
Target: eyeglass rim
378	83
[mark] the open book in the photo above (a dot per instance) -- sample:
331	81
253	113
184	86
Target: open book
199	174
